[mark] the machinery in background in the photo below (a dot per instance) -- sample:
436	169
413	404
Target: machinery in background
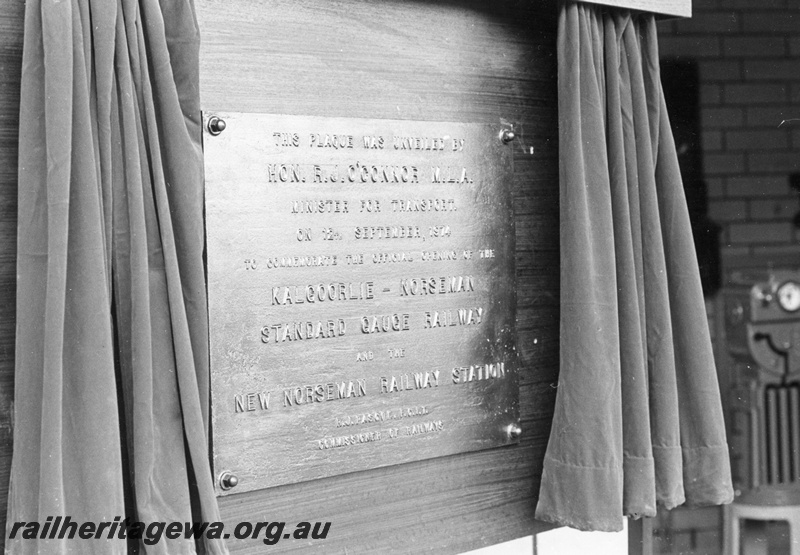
762	328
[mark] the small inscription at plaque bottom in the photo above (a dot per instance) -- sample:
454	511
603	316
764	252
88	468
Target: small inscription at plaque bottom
361	294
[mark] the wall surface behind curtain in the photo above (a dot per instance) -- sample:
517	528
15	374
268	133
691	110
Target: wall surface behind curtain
464	61
11	16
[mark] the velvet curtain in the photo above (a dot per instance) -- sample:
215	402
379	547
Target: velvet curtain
111	353
638	419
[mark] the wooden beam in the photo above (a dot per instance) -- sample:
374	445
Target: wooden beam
640	536
680	8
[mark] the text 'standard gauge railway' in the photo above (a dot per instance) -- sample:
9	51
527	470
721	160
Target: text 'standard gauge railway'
361	294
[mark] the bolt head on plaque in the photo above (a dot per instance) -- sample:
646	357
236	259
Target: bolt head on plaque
514	431
216	125
507	135
228	480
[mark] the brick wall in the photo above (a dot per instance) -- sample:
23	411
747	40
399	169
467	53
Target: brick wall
748	55
748	60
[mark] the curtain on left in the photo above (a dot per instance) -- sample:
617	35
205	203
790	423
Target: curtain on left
111	353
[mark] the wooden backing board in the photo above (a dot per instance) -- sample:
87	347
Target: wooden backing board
679	8
431	61
11	16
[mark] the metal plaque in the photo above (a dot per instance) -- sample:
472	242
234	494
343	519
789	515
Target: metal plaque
361	294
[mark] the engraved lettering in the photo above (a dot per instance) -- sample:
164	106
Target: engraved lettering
286	139
424	205
418	143
439	231
380	416
387	232
331	141
371	141
447	318
318	393
404	382
382	257
327	174
296	331
466	374
363	356
302	261
325	206
449	174
345	441
249	402
370	205
436	285
366	173
426	428
384	323
285	173
329	234
438	255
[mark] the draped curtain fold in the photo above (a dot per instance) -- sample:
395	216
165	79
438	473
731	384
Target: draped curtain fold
111	351
638	419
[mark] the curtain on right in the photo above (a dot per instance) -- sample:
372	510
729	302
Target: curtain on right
638	419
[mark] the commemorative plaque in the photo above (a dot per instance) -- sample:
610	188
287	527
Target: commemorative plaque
361	294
